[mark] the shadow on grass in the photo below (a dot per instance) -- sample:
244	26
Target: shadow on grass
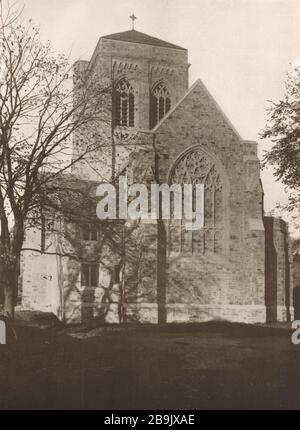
214	365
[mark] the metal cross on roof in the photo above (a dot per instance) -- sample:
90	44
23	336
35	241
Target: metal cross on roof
133	18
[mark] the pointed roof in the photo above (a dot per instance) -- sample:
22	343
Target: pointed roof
134	36
200	84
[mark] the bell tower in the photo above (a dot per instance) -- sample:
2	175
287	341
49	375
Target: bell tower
149	76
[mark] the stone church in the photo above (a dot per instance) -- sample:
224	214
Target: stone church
238	267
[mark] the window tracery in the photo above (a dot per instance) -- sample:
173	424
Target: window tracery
160	103
124	104
196	167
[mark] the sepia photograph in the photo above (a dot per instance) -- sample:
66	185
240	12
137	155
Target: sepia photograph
149	207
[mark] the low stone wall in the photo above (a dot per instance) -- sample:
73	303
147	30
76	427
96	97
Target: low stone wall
183	313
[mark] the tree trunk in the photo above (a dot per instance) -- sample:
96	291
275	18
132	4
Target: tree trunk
161	272
10	277
9	299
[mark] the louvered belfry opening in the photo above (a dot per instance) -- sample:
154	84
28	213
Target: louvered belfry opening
160	103
124	104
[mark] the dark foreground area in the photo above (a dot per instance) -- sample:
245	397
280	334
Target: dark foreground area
205	366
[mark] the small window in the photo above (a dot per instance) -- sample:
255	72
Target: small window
89	232
160	103
124	104
89	275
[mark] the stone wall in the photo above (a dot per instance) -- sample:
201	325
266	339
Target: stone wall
278	271
296	286
228	285
41	275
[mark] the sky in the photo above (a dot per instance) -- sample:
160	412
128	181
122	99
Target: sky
240	49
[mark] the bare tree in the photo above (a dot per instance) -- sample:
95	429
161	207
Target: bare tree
9	12
39	112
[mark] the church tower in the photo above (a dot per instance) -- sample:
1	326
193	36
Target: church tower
147	76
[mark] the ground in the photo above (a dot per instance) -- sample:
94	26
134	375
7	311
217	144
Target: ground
203	366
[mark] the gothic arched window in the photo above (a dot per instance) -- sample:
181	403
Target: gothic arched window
160	103
124	104
196	167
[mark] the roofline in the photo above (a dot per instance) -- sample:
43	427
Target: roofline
145	43
175	106
197	82
95	52
221	111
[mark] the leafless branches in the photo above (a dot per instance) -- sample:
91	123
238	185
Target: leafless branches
9	13
40	111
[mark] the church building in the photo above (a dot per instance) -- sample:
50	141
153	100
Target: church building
237	268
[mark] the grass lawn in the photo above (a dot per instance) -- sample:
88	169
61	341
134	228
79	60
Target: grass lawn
205	366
